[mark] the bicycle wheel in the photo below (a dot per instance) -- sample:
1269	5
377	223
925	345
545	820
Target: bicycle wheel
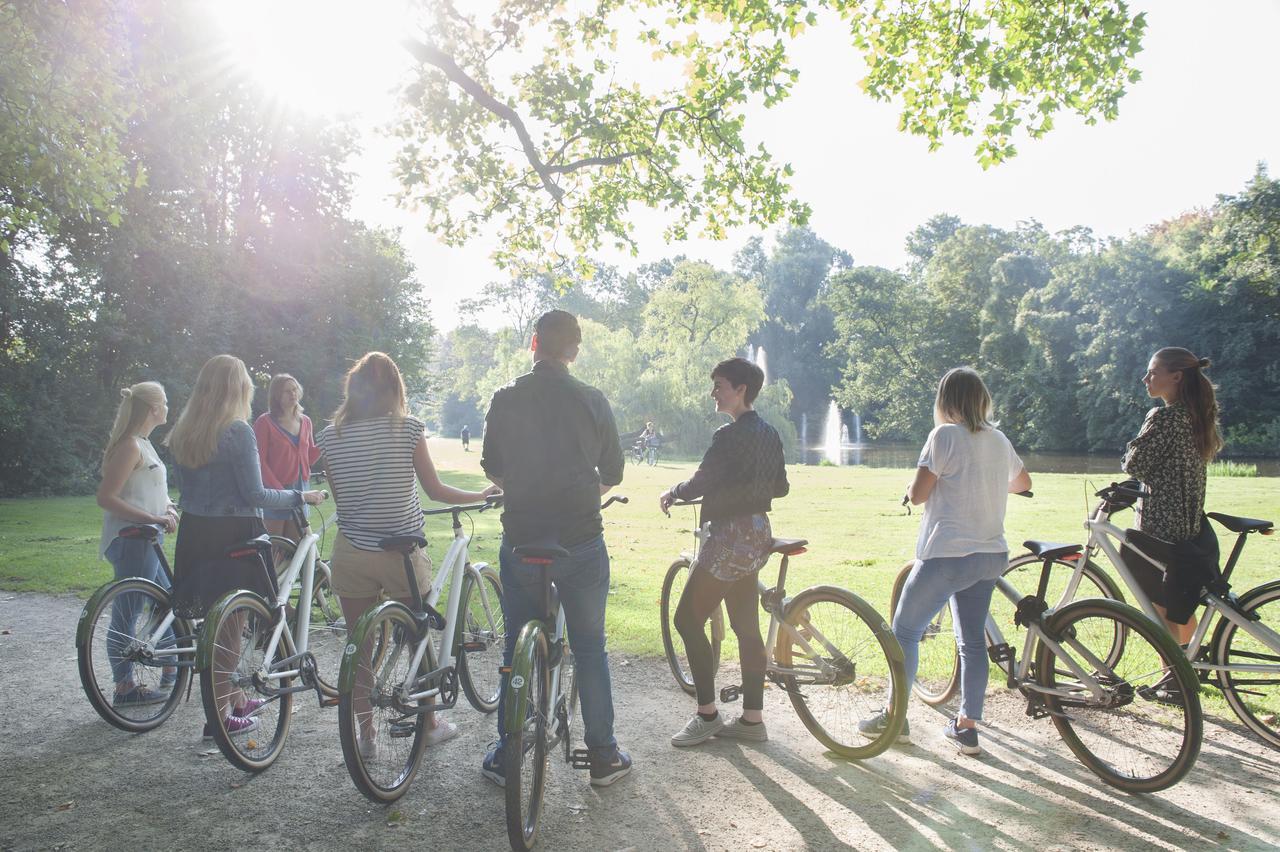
526	755
481	639
840	663
672	588
382	737
133	673
1143	734
1254	696
938	674
237	682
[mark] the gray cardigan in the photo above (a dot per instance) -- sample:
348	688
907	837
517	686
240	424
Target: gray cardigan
231	483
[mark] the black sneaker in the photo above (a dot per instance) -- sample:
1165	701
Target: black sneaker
604	773
966	739
492	766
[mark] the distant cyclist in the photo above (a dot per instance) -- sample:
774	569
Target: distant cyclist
650	440
551	443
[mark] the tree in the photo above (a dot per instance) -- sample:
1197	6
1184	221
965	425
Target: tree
517	115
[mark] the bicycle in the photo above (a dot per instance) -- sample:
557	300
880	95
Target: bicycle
128	630
637	452
537	700
390	658
1117	687
258	648
1242	658
827	648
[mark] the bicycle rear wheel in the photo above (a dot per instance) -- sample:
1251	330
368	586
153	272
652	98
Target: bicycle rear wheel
235	675
938	675
526	756
382	737
840	663
133	674
482	637
1143	734
1254	696
672	588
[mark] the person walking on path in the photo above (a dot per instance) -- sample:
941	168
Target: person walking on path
466	438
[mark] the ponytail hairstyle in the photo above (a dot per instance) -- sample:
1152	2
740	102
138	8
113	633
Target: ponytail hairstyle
222	395
275	396
373	388
136	402
1197	393
963	399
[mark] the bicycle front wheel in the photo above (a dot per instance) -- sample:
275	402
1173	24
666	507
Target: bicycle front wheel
240	687
382	736
482	638
672	588
840	663
938	675
526	756
1142	734
1253	695
133	672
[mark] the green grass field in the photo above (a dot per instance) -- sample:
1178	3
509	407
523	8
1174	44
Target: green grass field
859	534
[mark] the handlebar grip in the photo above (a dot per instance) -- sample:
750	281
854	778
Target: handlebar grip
612	500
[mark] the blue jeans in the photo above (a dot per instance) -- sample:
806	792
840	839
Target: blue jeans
967	581
131	557
582	582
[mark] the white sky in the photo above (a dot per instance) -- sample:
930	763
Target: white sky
1204	114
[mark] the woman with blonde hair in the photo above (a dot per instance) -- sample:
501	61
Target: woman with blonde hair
375	454
1170	456
134	490
222	497
965	474
286	448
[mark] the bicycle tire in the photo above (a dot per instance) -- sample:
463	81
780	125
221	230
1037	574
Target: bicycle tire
134	602
482	638
239	627
1145	734
672	587
383	771
526	756
849	636
938	673
1253	696
569	671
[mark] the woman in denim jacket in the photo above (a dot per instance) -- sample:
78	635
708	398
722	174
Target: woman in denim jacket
222	498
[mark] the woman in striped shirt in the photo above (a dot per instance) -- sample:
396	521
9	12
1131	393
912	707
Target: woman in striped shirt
375	453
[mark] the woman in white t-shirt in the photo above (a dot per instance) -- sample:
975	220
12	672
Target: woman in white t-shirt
965	474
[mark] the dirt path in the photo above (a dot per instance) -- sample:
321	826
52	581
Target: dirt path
72	782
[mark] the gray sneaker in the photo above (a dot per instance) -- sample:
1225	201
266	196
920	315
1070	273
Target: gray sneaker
874	727
697	731
737	730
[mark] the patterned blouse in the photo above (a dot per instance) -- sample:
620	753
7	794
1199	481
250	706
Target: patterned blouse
1164	457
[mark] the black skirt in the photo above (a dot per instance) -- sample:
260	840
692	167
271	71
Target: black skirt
202	573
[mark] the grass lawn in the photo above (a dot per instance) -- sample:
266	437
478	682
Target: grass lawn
859	534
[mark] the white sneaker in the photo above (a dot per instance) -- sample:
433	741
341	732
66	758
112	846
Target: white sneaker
443	731
736	730
698	730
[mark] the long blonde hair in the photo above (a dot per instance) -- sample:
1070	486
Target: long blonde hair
223	394
136	402
963	398
275	396
1196	392
373	388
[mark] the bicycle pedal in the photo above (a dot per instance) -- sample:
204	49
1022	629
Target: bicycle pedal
473	646
730	694
580	758
402	730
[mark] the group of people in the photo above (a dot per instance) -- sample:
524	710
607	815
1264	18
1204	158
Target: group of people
551	448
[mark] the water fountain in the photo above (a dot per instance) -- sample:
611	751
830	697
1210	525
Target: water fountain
804	432
831	449
762	361
857	430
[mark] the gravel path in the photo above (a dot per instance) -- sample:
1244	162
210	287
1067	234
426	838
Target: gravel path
70	781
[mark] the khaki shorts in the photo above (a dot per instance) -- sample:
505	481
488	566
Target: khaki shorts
367	573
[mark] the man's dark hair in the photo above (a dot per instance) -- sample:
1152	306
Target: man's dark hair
558	335
739	372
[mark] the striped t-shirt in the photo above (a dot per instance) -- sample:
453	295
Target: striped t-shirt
374	484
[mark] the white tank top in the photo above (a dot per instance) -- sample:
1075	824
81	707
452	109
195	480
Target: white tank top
147	488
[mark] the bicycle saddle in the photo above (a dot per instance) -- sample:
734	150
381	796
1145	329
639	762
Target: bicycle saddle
403	543
788	546
1238	525
1049	550
145	531
261	544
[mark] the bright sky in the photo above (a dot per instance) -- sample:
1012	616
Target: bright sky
1196	125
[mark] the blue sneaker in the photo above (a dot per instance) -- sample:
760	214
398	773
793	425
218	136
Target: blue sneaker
492	766
966	739
605	771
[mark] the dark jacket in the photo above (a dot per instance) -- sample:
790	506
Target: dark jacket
741	473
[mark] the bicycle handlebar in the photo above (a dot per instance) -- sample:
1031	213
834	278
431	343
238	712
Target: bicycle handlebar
612	500
697	502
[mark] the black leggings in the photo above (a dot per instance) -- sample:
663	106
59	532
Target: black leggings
741	598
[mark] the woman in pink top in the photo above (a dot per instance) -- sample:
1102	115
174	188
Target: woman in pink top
286	448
